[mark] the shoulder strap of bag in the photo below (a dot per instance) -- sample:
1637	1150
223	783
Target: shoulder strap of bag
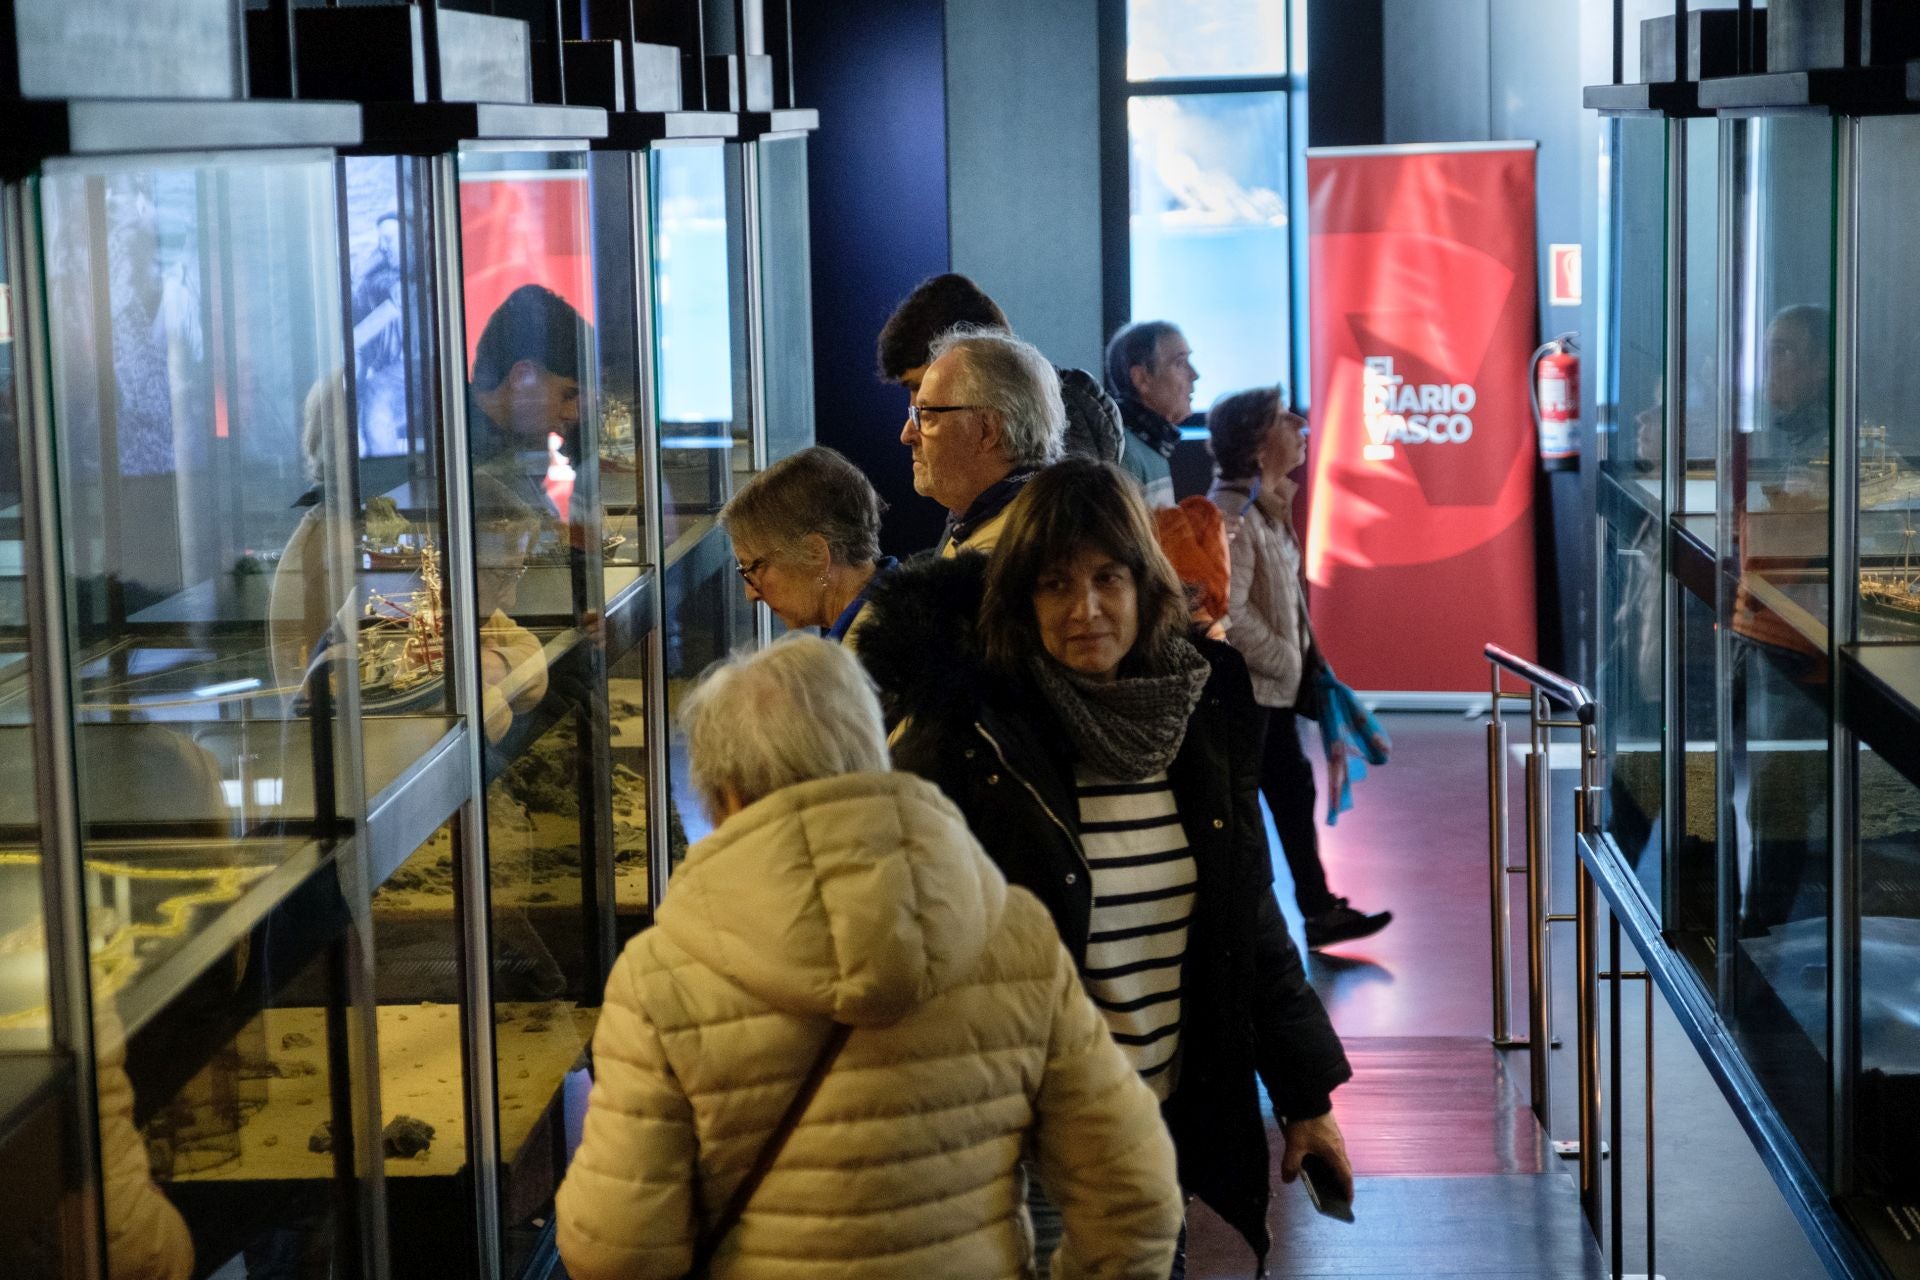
709	1244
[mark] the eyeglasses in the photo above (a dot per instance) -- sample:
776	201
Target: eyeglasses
505	574
915	412
749	571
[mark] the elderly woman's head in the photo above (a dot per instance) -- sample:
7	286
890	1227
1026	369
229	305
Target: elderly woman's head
1253	434
800	710
795	524
1079	576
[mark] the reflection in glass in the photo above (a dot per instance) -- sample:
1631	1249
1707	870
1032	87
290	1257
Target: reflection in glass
1888	1099
235	1093
401	531
700	361
1208	218
1637	396
1693	896
1888	382
534	413
194	326
1699	302
1205	38
1632	581
1774	545
24	992
786	295
422	1078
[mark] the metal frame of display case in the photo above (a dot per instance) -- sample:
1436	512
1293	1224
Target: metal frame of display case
1872	697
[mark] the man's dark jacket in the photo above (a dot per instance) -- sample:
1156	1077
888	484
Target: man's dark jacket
989	742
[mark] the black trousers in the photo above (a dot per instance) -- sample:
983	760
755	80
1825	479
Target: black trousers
1286	780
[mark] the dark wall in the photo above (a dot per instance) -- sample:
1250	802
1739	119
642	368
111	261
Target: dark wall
878	179
1345	63
1023	147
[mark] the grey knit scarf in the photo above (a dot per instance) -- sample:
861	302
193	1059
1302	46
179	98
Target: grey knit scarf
1132	727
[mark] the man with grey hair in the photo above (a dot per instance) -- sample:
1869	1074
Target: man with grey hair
988	415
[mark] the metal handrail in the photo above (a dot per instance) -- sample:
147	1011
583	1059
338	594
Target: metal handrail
1568	693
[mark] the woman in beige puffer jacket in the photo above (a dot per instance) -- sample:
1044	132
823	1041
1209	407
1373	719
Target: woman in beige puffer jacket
857	896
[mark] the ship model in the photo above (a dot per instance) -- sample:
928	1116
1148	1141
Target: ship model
403	642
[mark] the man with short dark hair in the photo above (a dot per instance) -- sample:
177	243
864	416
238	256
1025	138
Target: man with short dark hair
1150	372
948	301
526	375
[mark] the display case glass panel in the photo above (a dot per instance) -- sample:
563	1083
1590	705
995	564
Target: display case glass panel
1632	446
392	247
195	341
417	932
617	182
786	295
24	988
241	1094
1774	541
1887	1094
1887	381
705	420
534	411
1695	451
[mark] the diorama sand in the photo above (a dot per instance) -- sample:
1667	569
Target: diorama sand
536	1046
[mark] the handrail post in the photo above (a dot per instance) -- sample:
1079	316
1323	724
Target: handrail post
1498	899
1539	1005
1586	996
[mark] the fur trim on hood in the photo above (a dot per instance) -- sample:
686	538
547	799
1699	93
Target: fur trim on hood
922	646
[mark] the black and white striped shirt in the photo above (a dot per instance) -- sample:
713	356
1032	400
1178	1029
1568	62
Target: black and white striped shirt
1143	881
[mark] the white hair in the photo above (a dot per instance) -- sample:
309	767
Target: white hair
1002	372
800	709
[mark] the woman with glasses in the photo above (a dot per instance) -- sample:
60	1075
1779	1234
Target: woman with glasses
1107	764
806	539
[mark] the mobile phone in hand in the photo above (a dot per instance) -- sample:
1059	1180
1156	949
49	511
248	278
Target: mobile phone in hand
1323	1188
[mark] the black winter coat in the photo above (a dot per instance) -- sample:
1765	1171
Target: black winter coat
992	745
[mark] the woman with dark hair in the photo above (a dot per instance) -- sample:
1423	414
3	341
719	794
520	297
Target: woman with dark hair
1107	763
1257	442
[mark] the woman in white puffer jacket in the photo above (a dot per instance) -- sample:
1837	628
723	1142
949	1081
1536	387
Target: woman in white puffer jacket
835	890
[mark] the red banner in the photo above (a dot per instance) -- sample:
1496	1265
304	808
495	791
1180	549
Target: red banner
1424	310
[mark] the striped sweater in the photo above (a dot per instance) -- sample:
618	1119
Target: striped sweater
1143	883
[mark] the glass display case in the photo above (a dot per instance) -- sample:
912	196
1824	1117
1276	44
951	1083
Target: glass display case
376	497
194	363
1758	623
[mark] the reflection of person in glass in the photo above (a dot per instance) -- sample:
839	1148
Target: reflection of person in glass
379	344
1779	616
513	667
526	386
1799	399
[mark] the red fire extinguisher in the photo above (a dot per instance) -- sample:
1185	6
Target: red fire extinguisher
1556	403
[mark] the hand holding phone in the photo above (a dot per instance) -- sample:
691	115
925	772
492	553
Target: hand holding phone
1323	1188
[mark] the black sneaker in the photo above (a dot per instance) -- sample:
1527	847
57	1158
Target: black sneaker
1341	923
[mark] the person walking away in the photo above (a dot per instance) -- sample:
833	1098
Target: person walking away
1257	443
836	892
